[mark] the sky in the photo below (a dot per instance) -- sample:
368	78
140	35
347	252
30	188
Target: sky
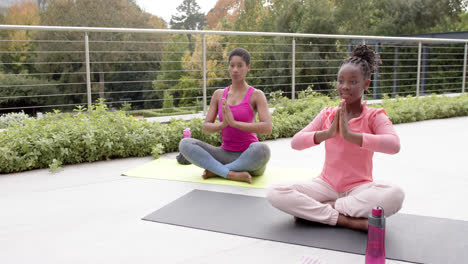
166	8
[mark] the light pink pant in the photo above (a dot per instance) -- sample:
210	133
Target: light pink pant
306	200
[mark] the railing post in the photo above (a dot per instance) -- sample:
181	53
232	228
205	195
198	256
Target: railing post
88	72
204	75
418	78
395	73
464	68
376	75
425	55
293	71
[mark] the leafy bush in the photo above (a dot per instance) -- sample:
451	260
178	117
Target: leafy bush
162	112
10	118
98	134
411	109
74	138
157	150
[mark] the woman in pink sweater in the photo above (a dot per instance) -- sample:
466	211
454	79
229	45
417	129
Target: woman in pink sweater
344	193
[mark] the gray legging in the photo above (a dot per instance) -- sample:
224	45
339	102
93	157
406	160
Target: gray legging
220	161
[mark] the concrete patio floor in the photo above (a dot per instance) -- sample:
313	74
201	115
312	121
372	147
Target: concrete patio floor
88	213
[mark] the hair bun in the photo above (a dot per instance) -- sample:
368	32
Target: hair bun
365	53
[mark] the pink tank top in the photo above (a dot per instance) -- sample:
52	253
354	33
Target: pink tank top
235	139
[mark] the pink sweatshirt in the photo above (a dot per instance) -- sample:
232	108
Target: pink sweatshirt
346	164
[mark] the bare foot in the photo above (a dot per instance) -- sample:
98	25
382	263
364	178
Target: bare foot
347	221
208	174
240	176
332	203
352	222
298	218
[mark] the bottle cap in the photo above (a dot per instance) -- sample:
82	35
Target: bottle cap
377	217
377	211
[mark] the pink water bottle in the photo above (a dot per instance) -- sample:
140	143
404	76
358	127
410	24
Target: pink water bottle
375	252
187	133
180	158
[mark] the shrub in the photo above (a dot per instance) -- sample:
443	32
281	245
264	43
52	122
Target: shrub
410	109
157	150
10	118
162	112
98	134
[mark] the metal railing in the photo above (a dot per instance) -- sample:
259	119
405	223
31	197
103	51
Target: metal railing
60	67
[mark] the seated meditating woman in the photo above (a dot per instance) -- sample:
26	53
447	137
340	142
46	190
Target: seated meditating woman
345	192
240	155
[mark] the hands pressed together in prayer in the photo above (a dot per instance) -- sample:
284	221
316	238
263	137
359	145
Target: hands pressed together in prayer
228	117
340	127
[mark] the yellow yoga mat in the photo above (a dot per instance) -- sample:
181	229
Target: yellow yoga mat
169	169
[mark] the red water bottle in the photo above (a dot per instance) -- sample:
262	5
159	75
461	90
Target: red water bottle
375	252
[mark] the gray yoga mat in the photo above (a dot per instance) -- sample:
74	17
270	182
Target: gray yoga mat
409	238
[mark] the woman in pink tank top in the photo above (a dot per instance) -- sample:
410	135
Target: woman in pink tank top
240	156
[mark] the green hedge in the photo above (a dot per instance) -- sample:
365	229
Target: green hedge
162	112
98	134
411	109
7	119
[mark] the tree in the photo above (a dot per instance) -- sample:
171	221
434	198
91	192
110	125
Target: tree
42	4
403	17
171	71
109	52
19	44
188	17
462	24
17	60
313	56
224	10
17	91
255	16
396	17
216	69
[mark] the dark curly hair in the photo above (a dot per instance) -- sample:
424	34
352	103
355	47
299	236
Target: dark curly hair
243	53
365	58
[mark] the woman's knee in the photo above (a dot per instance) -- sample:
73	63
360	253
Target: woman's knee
279	195
262	150
396	196
390	198
185	144
274	196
